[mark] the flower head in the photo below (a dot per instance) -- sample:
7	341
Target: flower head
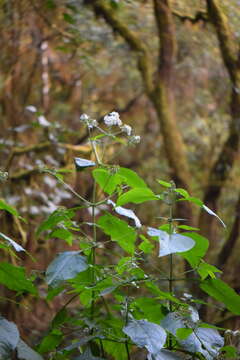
84	117
127	129
112	119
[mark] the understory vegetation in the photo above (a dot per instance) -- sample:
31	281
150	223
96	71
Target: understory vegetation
117	300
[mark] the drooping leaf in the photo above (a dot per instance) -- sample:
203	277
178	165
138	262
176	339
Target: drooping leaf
194	255
119	231
170	244
13	243
14	278
82	164
24	352
9	338
183	333
126	212
146	334
208	342
182	192
209	211
132	179
64	267
8	208
223	293
136	196
107	180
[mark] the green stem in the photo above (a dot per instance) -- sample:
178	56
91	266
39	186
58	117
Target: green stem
170	222
126	322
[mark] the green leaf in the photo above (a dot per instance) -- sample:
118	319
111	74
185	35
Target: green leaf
136	196
24	352
183	333
9	337
50	342
107	180
193	200
61	215
164	183
147	334
14	278
145	246
194	255
206	270
63	234
64	267
150	308
8	208
186	227
87	355
182	192
223	293
60	318
229	351
119	231
131	178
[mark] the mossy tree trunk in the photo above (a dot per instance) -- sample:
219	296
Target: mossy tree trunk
158	84
225	161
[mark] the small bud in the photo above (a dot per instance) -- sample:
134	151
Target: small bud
127	129
112	119
84	117
135	139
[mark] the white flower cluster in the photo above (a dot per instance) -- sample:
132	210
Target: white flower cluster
112	118
88	121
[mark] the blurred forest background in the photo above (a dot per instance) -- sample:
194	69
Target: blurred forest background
171	68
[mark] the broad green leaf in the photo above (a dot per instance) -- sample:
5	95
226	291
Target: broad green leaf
195	255
61	215
11	242
63	234
24	352
8	208
126	212
132	179
9	338
230	352
145	245
193	200
107	180
170	244
206	270
163	295
183	333
164	183
64	267
146	334
119	231
149	308
136	196
223	293
14	278
113	328
50	342
60	318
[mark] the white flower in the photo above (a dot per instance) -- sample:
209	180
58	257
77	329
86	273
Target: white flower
43	121
92	123
84	117
31	108
112	119
127	129
136	139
